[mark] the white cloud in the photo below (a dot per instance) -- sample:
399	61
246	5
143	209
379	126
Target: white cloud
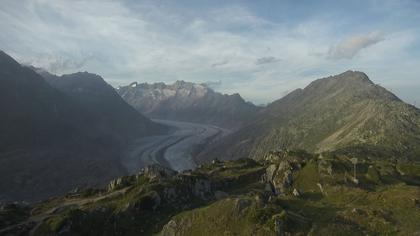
349	47
151	42
55	63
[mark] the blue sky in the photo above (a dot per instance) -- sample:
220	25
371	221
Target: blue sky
260	49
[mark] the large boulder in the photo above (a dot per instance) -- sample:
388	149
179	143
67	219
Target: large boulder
195	186
120	183
279	173
280	177
157	172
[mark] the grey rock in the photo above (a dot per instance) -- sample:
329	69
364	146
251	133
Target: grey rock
170	228
170	193
157	172
280	176
119	183
268	188
260	201
296	193
157	200
201	188
220	195
279	223
241	204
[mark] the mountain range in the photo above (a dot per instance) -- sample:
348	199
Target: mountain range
345	112
61	134
185	101
339	157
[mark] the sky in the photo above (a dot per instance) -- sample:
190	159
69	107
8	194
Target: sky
260	49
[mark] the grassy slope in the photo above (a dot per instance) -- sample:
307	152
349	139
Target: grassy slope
385	201
387	206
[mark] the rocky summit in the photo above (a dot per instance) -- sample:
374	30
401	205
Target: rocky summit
287	192
346	112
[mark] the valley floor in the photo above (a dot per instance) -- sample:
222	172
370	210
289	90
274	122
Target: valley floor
174	150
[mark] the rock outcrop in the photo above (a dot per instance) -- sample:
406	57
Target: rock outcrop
279	173
157	172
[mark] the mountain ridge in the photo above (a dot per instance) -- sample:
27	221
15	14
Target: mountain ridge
92	92
330	113
186	101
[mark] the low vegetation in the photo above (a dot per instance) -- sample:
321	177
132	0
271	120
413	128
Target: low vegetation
286	192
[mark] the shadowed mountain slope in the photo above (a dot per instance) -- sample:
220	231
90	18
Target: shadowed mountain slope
49	142
114	115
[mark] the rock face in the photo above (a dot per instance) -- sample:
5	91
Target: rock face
170	229
347	112
184	101
279	223
279	173
119	183
220	195
197	186
157	172
153	173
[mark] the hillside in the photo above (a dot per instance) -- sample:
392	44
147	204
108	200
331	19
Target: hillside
114	115
346	111
285	193
184	101
49	142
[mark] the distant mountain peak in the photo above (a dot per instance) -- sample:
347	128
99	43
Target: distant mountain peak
330	113
348	78
355	76
182	83
354	72
84	76
187	101
349	83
